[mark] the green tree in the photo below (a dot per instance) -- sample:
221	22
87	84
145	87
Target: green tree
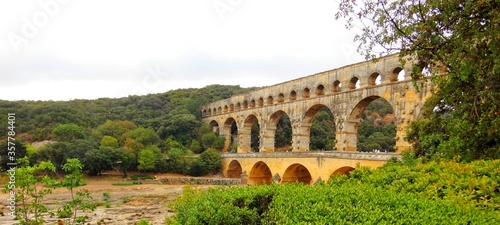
82	200
456	41
108	141
98	160
147	158
68	132
145	136
18	151
32	184
212	161
114	129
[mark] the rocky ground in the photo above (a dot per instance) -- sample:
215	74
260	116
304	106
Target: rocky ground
126	204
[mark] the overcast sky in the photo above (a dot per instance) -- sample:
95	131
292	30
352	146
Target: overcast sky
87	49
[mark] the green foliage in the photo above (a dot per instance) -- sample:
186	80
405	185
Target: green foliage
108	141
20	152
322	134
283	137
458	43
212	140
68	132
145	136
146	160
431	193
82	200
114	129
98	160
32	184
212	160
195	146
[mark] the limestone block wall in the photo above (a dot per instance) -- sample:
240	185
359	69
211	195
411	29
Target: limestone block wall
346	91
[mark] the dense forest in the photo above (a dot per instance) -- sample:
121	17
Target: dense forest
158	132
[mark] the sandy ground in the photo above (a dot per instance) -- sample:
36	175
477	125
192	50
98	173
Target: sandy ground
126	205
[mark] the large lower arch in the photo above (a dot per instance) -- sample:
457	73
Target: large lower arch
268	139
260	174
297	173
245	134
343	170
230	132
234	169
350	130
302	137
215	126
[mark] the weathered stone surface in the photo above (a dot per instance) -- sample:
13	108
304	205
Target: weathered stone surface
302	98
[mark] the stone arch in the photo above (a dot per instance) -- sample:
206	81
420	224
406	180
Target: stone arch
306	93
396	74
245	134
320	90
297	173
215	126
238	106
267	142
270	100
252	104
204	112
374	79
219	110
260	103
231	107
354	83
260	174
350	130
245	104
230	133
302	137
336	87
209	112
226	109
293	96
343	170
234	169
281	98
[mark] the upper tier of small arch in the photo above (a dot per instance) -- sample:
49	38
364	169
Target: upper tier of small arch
367	74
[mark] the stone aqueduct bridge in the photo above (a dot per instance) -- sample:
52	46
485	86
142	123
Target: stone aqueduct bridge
346	91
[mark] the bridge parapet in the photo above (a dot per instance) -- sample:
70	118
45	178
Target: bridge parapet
382	156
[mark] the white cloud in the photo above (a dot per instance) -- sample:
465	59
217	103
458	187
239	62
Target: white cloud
111	44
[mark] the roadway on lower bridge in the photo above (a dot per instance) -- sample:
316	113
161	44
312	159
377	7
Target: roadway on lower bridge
304	167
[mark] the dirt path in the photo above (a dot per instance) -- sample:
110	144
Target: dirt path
126	204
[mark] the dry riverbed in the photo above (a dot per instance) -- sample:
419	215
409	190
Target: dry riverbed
126	204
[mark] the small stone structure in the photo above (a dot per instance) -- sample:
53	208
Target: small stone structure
199	181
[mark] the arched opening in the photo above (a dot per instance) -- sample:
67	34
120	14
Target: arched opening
231	108
322	128
337	86
209	112
238	106
260	103
297	173
226	108
283	135
219	110
398	74
372	126
374	79
270	100
306	93
204	113
231	129
255	136
215	111
234	169
281	98
354	83
293	96
249	135
215	126
320	90
252	104
343	170
260	174
245	104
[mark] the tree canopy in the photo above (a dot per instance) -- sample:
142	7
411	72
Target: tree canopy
458	42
